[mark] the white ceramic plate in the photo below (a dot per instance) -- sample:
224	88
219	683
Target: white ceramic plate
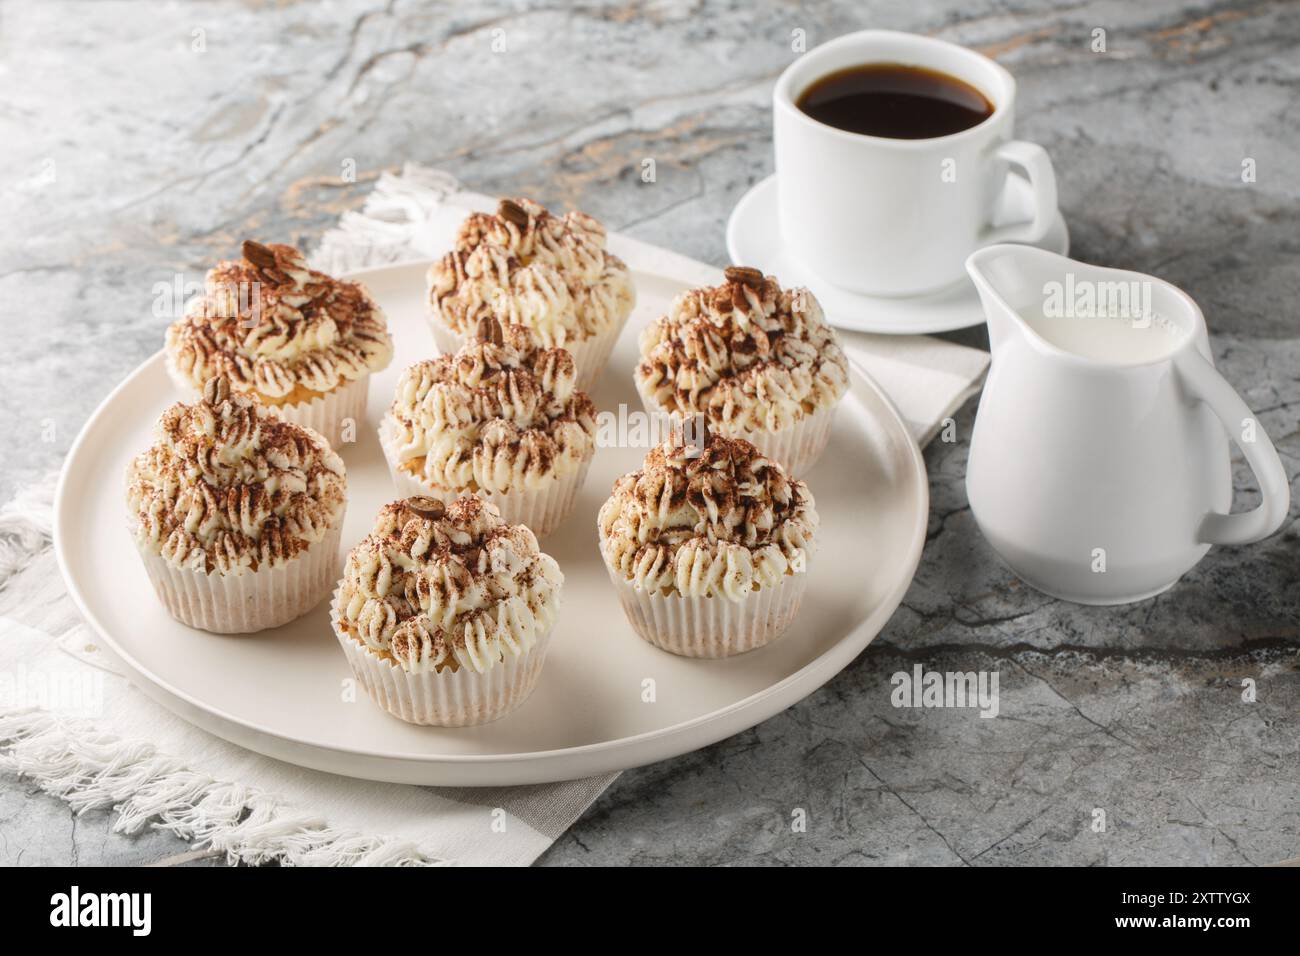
280	692
754	239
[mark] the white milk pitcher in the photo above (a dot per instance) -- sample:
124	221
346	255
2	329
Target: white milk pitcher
1099	467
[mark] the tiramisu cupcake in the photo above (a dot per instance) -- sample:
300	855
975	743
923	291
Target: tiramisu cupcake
237	514
758	362
500	418
708	546
524	266
445	613
286	336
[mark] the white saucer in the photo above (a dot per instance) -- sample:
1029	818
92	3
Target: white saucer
754	239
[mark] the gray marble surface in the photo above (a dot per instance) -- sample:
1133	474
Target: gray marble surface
131	156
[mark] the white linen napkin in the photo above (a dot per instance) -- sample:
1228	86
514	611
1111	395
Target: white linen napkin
70	721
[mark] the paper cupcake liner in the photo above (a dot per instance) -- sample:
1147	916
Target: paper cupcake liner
448	699
447	341
590	355
329	414
711	627
541	509
796	448
252	601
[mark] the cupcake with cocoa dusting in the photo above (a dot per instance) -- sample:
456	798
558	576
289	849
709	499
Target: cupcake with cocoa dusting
237	514
758	362
524	266
501	418
445	613
287	337
708	545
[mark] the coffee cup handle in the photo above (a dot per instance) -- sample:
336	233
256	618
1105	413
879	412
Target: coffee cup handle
1206	384
1033	159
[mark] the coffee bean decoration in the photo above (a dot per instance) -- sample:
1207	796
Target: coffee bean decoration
511	211
216	390
489	330
258	254
744	275
426	507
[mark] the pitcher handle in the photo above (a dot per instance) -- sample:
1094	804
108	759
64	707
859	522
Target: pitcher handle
1205	382
1033	159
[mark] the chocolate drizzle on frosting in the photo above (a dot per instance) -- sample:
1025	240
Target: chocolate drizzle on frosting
228	487
499	415
528	267
747	354
720	520
431	589
282	332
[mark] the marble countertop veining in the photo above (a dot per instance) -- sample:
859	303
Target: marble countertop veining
144	140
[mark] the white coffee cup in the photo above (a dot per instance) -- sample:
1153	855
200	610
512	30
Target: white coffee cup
897	217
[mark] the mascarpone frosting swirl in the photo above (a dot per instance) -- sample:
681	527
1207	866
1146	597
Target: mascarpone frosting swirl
230	488
719	524
525	266
747	354
278	329
433	588
497	416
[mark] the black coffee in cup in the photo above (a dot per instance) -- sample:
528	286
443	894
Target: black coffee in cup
895	101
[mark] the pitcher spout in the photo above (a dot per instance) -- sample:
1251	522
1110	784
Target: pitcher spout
1004	275
1021	288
